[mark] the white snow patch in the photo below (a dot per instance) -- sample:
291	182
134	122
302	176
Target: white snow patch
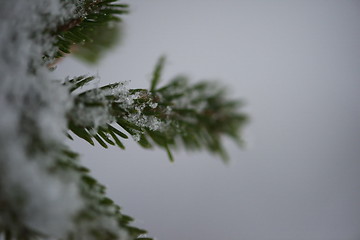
32	111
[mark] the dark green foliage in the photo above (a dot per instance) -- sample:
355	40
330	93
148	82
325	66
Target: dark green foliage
157	73
177	114
98	205
90	31
193	116
105	37
204	115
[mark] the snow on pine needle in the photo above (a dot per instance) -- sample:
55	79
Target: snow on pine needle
32	121
44	191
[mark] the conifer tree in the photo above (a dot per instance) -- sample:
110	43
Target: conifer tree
45	193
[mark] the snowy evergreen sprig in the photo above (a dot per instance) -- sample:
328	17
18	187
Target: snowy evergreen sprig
45	193
90	29
100	217
193	116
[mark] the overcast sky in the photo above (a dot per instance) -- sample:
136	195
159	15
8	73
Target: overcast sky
296	64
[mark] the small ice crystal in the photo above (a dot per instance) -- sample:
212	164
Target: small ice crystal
153	105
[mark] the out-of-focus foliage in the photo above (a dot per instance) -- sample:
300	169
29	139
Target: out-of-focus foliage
92	30
175	115
103	39
98	207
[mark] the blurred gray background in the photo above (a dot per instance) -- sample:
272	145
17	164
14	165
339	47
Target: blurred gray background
296	64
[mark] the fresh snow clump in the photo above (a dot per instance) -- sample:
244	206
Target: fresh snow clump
32	122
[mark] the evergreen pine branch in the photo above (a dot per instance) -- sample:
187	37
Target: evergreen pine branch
98	207
104	38
177	114
88	28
